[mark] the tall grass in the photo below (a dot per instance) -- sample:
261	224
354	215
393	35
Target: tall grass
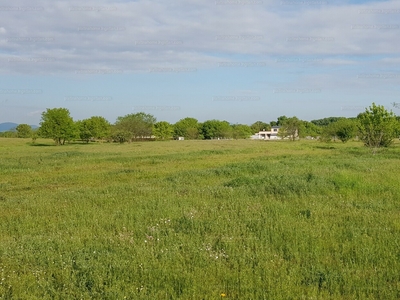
197	219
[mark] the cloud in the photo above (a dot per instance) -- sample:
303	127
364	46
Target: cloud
34	113
135	36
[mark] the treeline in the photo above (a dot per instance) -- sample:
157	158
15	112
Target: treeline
58	125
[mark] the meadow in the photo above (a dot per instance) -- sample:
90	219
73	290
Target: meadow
220	219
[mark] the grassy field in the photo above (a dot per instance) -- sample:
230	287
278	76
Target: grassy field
199	220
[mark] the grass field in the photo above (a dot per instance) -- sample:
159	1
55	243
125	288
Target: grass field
199	220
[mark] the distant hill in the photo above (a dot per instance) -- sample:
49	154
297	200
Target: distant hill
7	126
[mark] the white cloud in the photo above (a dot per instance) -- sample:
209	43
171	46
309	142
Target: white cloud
34	113
140	35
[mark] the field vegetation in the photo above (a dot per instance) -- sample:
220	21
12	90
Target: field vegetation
232	219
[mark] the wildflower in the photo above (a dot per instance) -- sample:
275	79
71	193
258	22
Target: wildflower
223	295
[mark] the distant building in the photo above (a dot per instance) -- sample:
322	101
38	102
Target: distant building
267	135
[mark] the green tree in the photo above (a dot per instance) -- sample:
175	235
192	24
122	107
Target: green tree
398	127
346	129
99	127
24	130
58	125
377	127
120	135
326	121
329	132
241	131
139	125
189	128
163	130
290	127
281	120
9	134
310	129
84	131
94	128
213	129
259	126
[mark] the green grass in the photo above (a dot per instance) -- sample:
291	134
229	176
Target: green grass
194	219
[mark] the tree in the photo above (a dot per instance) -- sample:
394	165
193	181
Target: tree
345	129
58	125
241	131
120	135
84	131
24	131
310	129
163	130
188	128
259	126
398	127
99	127
94	128
290	127
281	120
377	127
213	129
139	125
329	132
326	121
9	134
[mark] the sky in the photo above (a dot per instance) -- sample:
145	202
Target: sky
236	60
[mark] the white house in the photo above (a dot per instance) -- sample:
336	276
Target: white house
267	135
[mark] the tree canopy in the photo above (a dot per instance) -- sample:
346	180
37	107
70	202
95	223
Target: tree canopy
377	127
290	127
163	130
94	128
188	127
24	131
57	124
134	126
213	129
259	126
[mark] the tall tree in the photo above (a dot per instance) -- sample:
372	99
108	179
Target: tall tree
377	127
58	125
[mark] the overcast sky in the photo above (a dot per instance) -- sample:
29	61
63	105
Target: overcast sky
235	60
